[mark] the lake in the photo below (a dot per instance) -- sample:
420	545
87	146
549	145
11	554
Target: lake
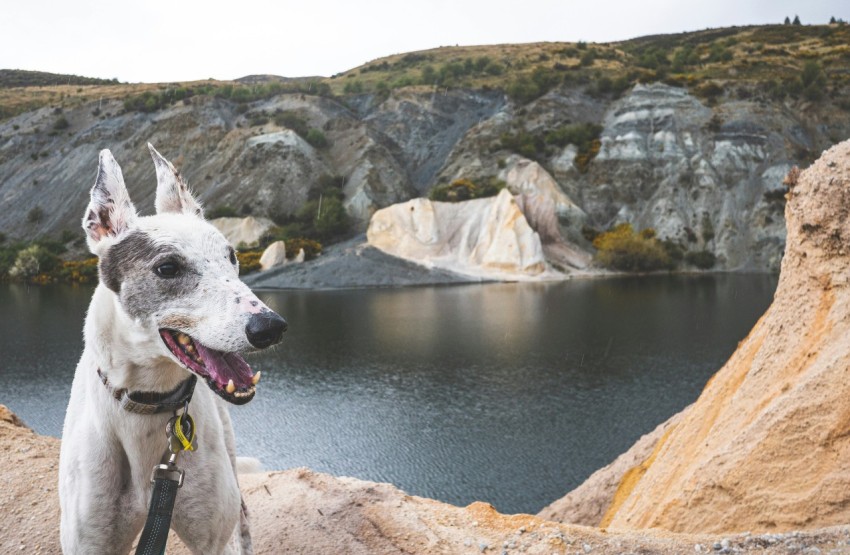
506	393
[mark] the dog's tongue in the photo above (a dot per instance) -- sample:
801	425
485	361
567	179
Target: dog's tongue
223	367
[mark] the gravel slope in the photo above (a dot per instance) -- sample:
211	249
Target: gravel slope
352	264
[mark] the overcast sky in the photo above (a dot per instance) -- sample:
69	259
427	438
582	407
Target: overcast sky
170	40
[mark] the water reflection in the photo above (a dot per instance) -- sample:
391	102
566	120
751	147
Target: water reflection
510	393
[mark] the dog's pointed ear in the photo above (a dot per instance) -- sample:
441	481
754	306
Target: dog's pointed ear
172	193
110	212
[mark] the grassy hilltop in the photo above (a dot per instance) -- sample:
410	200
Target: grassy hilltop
806	62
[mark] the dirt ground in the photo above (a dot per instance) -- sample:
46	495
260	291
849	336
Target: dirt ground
300	511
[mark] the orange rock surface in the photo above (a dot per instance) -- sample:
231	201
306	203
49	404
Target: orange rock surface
766	447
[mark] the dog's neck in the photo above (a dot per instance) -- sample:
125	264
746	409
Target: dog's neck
129	353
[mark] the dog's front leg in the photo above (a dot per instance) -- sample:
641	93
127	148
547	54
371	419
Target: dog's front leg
101	510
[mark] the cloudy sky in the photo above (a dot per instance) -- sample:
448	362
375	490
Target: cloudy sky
170	40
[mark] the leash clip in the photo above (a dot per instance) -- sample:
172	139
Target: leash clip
168	471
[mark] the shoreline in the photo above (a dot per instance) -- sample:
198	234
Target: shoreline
302	511
354	264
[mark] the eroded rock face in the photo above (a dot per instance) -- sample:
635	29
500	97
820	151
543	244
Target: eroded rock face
708	177
488	238
695	175
765	447
266	170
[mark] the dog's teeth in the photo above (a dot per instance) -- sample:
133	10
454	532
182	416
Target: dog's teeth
183	339
256	379
231	387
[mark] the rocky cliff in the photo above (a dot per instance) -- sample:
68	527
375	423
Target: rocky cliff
704	177
698	155
765	447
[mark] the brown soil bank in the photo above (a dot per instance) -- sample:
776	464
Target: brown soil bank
302	512
766	447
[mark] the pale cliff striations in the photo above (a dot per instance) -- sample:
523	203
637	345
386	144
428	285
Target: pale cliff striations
708	177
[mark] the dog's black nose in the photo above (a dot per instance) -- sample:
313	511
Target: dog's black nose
265	329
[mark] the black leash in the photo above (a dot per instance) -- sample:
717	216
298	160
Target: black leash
166	478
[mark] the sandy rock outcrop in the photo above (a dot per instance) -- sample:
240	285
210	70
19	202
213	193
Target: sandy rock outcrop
243	231
303	512
273	256
766	446
487	238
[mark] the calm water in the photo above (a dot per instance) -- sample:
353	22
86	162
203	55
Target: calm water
511	394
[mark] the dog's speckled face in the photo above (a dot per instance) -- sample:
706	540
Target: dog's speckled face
178	277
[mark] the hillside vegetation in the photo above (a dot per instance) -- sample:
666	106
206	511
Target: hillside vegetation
801	61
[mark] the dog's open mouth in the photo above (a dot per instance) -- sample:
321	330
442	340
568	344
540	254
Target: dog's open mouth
227	374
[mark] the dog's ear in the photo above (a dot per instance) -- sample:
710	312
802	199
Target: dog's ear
172	193
110	212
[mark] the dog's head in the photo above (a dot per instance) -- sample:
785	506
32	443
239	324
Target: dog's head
177	277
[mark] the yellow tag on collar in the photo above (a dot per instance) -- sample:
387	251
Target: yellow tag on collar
185	442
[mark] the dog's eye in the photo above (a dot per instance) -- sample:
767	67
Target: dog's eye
233	257
167	270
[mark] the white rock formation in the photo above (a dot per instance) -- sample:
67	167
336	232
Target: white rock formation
525	177
243	231
273	256
487	238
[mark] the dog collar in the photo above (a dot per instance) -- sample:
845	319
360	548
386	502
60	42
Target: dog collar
151	402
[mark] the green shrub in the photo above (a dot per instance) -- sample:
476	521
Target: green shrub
524	143
312	249
7	259
35	215
464	189
581	135
323	217
704	260
653	58
813	81
33	260
711	91
674	250
291	120
327	185
524	89
353	87
624	250
256	119
327	217
61	123
585	136
589	233
316	138
249	261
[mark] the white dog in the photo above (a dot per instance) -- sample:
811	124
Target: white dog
169	307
